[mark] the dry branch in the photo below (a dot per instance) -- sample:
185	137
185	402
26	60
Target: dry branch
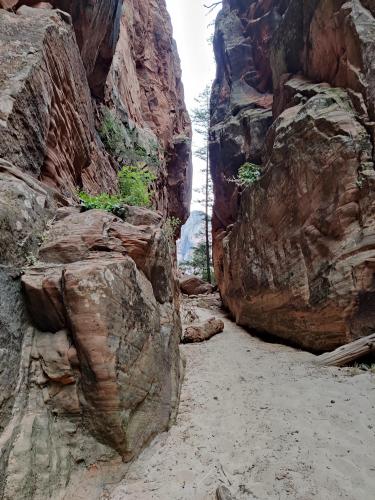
348	353
222	493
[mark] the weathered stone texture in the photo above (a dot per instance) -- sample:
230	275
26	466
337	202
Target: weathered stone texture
294	253
89	360
124	55
203	331
145	86
192	285
46	116
102	356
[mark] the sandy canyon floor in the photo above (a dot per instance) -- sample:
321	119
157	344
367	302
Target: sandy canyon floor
261	419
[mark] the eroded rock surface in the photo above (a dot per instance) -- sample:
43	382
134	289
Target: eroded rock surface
125	57
102	361
294	253
97	27
145	86
46	115
204	331
89	318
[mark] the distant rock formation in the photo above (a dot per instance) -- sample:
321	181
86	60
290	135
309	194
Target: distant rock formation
294	253
192	234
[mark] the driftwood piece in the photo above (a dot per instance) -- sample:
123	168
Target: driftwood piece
202	332
222	493
348	353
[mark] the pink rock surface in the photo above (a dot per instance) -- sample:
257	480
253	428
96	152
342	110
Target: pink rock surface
294	252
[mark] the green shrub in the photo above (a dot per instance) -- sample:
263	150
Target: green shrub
248	173
102	201
134	185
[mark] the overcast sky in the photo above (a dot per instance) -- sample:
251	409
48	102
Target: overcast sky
192	32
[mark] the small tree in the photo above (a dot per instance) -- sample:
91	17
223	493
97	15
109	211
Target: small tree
198	263
201	121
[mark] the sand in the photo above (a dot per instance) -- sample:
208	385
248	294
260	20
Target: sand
261	419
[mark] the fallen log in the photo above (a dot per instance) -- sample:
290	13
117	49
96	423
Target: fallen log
348	353
202	332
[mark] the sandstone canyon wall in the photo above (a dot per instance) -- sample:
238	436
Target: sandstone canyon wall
294	94
89	317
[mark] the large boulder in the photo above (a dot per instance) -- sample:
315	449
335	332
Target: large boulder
192	285
104	347
294	252
308	265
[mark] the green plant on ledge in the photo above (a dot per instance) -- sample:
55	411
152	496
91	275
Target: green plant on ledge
134	189
171	226
134	184
248	173
102	201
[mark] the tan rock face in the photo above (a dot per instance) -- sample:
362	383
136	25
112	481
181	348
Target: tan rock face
298	260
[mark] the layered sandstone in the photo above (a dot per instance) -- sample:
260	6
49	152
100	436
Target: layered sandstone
97	27
132	70
294	252
47	122
145	86
90	360
89	318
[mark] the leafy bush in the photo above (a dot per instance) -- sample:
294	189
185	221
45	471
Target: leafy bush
248	173
134	186
102	201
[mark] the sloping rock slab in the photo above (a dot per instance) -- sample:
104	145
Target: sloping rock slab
46	116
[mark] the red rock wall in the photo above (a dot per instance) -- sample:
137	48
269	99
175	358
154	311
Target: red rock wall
145	83
47	122
132	67
294	253
90	369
